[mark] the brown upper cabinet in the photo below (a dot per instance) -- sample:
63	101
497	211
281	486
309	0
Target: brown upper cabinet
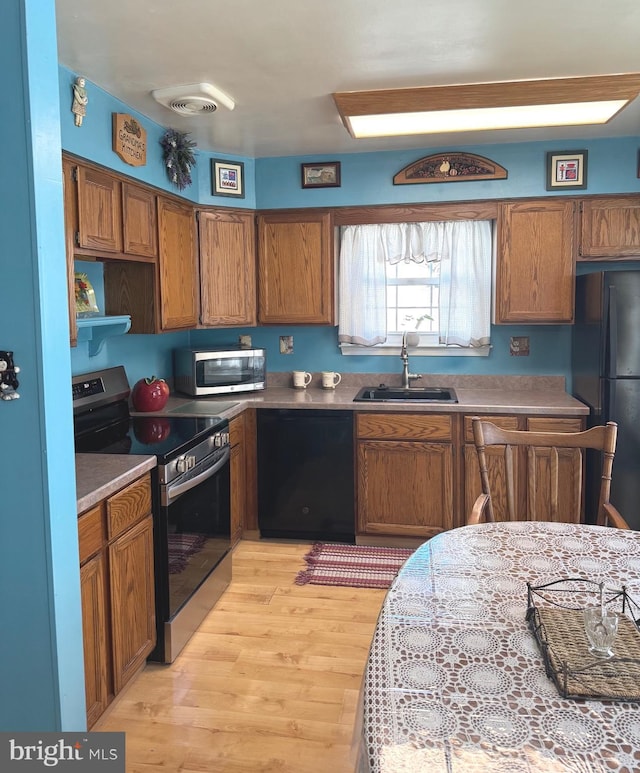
296	268
610	227
99	224
114	218
535	273
227	268
139	221
177	267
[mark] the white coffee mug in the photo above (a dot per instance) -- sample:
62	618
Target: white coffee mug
301	379
330	380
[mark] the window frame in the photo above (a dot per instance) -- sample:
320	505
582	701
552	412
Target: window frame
406	213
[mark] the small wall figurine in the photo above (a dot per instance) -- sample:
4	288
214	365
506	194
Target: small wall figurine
80	100
8	381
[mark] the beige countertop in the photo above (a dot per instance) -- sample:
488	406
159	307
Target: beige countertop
100	475
471	399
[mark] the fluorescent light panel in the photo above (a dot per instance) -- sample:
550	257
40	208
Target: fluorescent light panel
483	119
484	106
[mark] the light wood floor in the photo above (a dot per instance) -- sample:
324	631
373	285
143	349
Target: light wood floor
269	682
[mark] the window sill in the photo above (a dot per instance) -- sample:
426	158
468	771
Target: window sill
386	350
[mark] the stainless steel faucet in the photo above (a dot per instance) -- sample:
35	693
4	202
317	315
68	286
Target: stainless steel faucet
404	356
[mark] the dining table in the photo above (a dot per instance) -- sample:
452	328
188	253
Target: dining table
456	680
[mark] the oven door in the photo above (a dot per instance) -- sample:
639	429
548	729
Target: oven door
192	551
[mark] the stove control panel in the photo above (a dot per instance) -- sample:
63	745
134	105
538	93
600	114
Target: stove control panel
93	386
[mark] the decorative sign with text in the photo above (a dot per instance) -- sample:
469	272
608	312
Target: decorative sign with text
129	139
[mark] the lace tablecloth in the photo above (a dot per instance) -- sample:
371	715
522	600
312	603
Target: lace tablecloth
455	682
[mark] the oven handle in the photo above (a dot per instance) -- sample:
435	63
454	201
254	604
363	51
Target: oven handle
173	492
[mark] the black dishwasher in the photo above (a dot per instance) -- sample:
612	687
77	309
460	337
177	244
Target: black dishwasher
305	474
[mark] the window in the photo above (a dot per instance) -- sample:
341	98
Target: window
431	277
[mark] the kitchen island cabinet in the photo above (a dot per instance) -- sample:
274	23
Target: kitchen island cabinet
117	588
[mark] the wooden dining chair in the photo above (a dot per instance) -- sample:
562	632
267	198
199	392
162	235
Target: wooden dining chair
540	475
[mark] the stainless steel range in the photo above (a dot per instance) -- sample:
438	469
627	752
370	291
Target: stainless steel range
191	497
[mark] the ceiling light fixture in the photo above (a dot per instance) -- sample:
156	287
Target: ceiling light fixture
591	99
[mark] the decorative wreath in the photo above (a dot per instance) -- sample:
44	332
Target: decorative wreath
178	156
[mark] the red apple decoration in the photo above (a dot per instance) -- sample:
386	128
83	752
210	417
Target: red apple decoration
150	394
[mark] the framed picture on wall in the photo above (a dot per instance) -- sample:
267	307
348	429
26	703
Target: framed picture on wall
227	178
323	175
566	169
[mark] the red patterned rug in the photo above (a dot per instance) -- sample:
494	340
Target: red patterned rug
355	566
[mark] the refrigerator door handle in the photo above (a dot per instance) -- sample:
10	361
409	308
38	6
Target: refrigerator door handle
611	363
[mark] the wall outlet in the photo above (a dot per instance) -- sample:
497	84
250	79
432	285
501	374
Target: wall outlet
286	344
519	346
245	341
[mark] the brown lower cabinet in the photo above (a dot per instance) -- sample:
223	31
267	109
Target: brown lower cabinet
117	587
405	466
526	469
417	474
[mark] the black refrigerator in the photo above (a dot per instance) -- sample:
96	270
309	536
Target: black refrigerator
605	357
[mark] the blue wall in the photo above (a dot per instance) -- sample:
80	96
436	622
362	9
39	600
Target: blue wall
41	656
366	178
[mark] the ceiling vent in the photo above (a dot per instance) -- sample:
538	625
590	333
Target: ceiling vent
193	99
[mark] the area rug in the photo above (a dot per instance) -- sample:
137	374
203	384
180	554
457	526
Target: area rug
354	566
181	548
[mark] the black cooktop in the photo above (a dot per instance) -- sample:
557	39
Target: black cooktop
103	424
164	437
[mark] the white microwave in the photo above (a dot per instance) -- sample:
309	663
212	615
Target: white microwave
219	371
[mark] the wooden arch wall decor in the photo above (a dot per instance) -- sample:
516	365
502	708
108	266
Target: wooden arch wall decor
449	168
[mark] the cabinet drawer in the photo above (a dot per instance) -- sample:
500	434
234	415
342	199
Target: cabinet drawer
236	431
403	426
128	506
504	422
90	533
554	425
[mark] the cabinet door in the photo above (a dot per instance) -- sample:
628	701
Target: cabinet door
238	477
227	268
295	269
132	600
535	275
404	488
139	221
177	269
70	230
99	211
610	227
93	588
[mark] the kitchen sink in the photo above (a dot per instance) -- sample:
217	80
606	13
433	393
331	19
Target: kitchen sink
383	394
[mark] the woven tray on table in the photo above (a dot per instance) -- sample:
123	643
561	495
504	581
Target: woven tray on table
576	672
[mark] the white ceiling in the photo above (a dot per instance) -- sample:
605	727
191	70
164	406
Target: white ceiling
281	60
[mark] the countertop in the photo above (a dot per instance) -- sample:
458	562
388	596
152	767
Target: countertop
530	400
100	475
